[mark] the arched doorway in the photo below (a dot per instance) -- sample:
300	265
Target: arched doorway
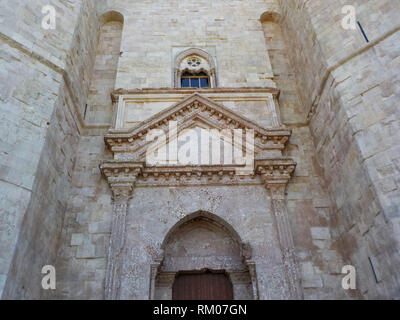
203	260
205	285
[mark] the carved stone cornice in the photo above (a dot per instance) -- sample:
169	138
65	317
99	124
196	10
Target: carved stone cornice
120	92
274	173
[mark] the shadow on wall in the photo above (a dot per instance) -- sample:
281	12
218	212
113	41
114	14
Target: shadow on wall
104	74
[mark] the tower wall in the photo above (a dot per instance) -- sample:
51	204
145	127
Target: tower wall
350	90
338	95
43	87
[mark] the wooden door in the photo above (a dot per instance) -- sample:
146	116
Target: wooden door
202	286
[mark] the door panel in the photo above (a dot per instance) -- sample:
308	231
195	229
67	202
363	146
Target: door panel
202	286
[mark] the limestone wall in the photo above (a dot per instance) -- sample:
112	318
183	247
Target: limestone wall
279	50
41	128
83	250
229	30
82	254
29	92
351	88
99	105
311	209
338	95
28	97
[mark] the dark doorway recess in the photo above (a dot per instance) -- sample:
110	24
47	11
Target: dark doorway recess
205	285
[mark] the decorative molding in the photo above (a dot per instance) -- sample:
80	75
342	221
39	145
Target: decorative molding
121	177
159	91
194	52
203	55
194	103
272	172
276	171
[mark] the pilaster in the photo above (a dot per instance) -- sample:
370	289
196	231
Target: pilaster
279	207
121	194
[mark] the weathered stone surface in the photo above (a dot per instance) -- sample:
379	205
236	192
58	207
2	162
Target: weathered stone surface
338	98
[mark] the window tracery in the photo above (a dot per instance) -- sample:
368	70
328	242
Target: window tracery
194	68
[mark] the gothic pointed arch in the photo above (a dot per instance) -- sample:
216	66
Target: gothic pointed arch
195	61
206	216
204	242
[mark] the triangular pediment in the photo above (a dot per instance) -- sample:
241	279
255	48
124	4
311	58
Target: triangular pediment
195	111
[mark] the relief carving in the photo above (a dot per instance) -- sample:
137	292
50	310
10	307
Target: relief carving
277	192
122	193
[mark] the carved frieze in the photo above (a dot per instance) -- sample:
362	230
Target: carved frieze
272	172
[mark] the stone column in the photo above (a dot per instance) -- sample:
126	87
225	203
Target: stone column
121	196
275	109
253	275
247	256
155	266
277	193
177	79
122	179
213	78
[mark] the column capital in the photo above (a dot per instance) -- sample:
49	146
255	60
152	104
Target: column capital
277	190
276	175
121	178
121	191
247	252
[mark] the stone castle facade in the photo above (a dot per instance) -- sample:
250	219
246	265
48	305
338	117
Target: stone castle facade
77	105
